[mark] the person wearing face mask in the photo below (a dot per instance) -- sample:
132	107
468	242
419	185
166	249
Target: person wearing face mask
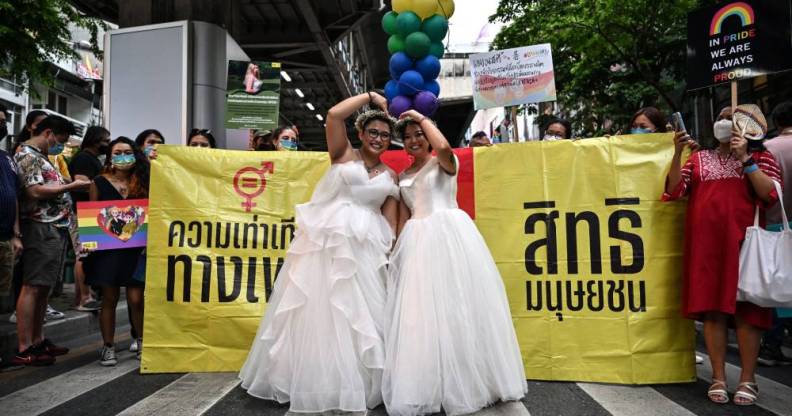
444	293
87	165
320	344
125	175
286	138
648	120
723	185
46	217
557	129
148	140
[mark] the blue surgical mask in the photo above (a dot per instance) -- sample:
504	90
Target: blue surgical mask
288	144
56	149
641	130
123	162
147	151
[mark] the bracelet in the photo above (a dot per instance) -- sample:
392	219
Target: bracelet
750	169
421	120
371	100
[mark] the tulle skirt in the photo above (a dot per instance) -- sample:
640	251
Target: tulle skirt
449	337
319	345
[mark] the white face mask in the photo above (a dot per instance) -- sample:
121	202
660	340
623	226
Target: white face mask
551	137
722	130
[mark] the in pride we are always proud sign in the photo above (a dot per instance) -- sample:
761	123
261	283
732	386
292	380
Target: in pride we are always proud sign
738	40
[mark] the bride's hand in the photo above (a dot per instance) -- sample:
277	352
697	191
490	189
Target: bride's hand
412	114
379	101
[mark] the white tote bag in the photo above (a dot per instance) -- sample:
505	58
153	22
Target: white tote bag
766	264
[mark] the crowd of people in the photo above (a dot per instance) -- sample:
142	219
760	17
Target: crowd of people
39	189
723	184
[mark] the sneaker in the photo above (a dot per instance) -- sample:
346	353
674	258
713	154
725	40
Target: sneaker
32	356
108	357
140	348
772	356
134	346
12	318
89	306
53	315
52	349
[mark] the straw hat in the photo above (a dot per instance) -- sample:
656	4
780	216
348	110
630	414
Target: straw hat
750	121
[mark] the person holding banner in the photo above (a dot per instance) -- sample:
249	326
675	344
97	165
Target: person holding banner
449	338
320	344
724	185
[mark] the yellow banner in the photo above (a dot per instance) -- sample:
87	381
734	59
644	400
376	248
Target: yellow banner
220	224
590	257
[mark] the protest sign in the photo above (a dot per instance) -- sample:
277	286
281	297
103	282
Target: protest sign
252	95
591	259
110	225
738	40
513	76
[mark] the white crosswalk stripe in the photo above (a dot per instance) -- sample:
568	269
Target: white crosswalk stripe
773	396
39	398
192	394
632	400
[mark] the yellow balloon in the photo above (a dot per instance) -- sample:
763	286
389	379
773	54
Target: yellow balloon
424	8
445	8
400	6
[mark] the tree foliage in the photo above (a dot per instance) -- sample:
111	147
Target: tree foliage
36	32
611	57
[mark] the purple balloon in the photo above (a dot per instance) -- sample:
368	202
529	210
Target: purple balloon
426	103
399	105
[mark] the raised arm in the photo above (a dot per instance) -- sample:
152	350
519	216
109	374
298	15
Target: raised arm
338	145
445	154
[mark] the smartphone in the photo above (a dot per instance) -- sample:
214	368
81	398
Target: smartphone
677	122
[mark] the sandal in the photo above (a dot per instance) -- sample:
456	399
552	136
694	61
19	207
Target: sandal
717	392
747	392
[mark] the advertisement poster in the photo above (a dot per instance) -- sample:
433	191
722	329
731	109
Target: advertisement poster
738	40
110	225
513	77
252	95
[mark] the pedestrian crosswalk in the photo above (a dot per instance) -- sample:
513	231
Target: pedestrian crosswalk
84	387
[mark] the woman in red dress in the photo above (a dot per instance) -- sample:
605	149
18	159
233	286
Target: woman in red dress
724	186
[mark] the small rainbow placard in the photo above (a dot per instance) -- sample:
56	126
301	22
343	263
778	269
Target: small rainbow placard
111	225
740	9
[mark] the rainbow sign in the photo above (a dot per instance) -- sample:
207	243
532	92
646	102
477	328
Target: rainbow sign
740	9
110	225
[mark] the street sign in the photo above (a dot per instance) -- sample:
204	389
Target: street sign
738	40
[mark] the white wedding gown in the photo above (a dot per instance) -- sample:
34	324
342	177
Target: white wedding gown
320	343
449	337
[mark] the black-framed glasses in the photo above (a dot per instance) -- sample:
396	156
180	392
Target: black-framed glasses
374	134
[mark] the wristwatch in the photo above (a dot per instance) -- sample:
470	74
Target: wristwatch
748	162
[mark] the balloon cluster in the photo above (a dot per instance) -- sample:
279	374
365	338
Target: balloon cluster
417	29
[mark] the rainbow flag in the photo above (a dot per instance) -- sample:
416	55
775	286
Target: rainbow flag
110	225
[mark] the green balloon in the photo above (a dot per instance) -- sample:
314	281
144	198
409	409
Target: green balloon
395	44
437	49
417	45
389	23
407	23
436	27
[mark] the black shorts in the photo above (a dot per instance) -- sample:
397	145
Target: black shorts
44	254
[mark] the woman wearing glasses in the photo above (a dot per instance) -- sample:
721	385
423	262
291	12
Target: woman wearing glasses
319	345
449	338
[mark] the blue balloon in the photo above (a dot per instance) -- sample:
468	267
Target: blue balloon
432	86
410	83
391	89
428	66
400	62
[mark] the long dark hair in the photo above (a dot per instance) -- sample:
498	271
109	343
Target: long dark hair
139	179
202	132
24	132
145	133
93	136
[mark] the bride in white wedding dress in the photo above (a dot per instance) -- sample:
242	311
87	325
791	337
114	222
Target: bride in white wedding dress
320	343
449	338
